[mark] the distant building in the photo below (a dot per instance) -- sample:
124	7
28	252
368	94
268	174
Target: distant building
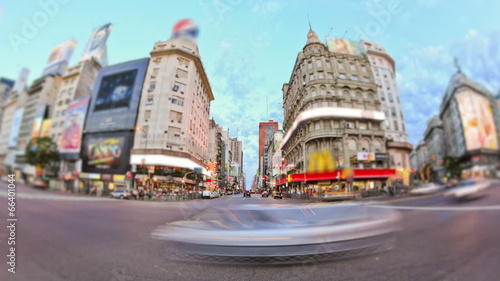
266	130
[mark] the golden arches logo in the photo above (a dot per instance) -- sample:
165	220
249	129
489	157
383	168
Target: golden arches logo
321	162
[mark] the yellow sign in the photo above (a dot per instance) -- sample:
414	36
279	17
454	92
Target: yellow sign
321	162
289	178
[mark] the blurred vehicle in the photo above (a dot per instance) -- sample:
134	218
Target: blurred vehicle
40	183
426	189
252	191
339	195
215	194
265	194
207	194
451	183
278	195
120	194
229	192
280	233
246	194
469	189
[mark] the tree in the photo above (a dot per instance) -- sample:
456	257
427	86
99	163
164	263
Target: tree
43	152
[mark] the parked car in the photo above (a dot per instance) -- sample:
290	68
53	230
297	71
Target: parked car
120	194
40	183
207	194
215	194
265	194
246	194
469	189
278	195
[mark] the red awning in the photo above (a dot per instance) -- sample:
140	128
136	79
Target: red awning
339	174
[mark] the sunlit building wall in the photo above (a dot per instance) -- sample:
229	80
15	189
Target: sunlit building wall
331	103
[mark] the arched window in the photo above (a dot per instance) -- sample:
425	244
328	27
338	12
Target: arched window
359	95
346	93
370	96
323	91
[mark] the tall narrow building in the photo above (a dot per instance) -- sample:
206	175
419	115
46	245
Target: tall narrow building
173	123
266	130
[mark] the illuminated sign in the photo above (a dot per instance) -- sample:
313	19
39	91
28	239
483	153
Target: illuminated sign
14	129
106	153
185	28
59	58
96	46
477	121
336	45
320	162
366	156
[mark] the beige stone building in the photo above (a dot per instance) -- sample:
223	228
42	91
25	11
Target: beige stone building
173	120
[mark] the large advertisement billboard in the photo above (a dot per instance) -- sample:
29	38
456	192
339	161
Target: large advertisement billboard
59	58
477	121
71	137
14	129
115	97
96	46
336	45
37	122
106	153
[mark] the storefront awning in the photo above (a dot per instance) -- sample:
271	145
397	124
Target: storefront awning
358	174
165	160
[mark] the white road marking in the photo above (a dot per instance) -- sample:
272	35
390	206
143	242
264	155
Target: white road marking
465	208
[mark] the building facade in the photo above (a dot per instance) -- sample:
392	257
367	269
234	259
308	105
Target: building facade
333	120
173	120
266	130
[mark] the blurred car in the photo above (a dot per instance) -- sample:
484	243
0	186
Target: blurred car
469	189
207	194
265	194
120	194
451	183
40	183
215	194
280	233
229	192
246	194
426	189
278	195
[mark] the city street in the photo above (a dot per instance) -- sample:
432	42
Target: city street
62	236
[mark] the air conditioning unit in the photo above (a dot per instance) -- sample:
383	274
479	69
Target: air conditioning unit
153	76
180	120
177	135
177	75
150	90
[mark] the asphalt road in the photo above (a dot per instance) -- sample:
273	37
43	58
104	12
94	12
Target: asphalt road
62	236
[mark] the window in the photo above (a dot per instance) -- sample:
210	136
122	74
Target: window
180	101
70	91
329	75
304	79
382	95
147	114
155	72
393	111
152	86
359	95
353	67
321	75
157	60
396	125
354	77
390	97
309	65
174	101
370	97
179	87
340	64
363	126
63	93
150	100
179	73
366	79
346	94
319	63
176	116
363	68
342	76
183	62
169	147
311	76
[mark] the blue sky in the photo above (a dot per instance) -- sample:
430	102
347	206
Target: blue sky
249	47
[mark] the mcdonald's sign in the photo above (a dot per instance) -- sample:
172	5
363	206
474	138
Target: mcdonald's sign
320	162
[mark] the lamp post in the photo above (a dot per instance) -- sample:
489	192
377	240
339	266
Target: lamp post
145	134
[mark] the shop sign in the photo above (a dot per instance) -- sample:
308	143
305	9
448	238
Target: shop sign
106	177
380	156
94	176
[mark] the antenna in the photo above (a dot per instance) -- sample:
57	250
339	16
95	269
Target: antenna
455	61
309	21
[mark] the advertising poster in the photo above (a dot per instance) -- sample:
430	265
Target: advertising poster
106	153
96	46
45	132
477	121
115	97
343	46
37	123
366	156
14	129
115	90
59	58
71	137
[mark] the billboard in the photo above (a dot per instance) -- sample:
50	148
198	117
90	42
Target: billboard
37	122
106	153
71	137
185	28
59	58
278	137
46	124
365	156
343	46
477	121
115	97
96	46
14	129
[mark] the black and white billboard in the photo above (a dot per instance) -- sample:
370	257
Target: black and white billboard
115	97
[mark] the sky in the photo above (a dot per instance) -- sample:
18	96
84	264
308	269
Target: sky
249	48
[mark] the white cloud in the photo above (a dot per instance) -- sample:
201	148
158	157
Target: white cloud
268	7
